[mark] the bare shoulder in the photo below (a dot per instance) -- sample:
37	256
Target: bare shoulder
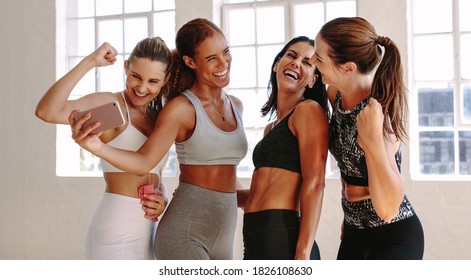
308	107
178	108
237	102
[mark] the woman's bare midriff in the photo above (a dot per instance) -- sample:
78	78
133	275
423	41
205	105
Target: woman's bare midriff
126	183
354	193
273	188
220	178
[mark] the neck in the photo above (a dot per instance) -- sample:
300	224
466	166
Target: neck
285	104
206	92
355	92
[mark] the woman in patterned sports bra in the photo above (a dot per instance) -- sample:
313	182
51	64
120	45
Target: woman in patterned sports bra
206	125
284	204
118	229
369	102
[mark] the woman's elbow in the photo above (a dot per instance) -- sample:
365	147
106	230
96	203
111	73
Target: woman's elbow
41	114
387	215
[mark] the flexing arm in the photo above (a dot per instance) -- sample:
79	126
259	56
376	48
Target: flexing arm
384	179
54	106
311	127
170	122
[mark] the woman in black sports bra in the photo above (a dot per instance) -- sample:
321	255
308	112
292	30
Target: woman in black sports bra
284	202
369	111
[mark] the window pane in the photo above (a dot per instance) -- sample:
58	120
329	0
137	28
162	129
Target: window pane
109	7
340	9
171	167
266	55
312	13
466	56
465	19
436	106
160	5
466	101
85	37
465	152
88	162
432	16
243	67
134	30
433	58
241	32
86	85
86	8
135	6
270	25
252	116
111	31
112	77
164	27
436	153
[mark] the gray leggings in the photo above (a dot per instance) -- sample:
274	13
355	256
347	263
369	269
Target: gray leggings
199	224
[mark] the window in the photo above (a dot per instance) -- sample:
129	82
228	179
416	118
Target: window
440	123
254	42
83	25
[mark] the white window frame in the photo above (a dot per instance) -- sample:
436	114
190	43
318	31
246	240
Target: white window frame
331	169
68	153
460	124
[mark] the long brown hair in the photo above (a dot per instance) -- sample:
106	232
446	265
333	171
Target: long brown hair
188	38
355	40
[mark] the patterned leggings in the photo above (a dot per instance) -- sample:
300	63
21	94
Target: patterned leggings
402	239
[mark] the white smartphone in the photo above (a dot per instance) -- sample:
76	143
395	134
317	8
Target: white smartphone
109	115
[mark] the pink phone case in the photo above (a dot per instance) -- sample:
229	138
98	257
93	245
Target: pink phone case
109	115
146	189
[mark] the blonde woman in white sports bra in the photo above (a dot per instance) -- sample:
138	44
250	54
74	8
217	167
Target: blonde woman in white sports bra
122	226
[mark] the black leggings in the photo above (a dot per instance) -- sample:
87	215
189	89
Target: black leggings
273	235
401	240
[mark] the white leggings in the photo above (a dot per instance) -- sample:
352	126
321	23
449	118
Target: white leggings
119	231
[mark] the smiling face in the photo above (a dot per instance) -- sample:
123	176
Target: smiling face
295	70
329	71
212	62
144	80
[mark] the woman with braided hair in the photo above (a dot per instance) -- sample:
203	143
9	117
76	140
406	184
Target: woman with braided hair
369	102
206	125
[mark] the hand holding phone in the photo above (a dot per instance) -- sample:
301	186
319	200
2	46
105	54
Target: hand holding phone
109	115
146	189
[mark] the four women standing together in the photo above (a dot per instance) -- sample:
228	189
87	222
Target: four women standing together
283	205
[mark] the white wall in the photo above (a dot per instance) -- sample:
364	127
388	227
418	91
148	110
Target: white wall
45	217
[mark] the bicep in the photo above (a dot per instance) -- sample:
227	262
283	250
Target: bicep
312	134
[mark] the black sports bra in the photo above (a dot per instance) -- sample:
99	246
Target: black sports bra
279	149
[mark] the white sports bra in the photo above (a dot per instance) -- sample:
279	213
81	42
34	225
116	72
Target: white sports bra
130	139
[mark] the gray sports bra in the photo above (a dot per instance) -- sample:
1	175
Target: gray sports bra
209	145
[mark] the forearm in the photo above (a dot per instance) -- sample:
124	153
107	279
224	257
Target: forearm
129	161
242	195
385	185
310	208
